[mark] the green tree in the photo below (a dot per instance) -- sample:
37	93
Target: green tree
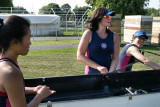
123	7
19	10
80	11
153	12
6	3
48	9
65	8
5	6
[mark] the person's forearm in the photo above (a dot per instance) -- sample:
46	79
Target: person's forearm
35	102
87	61
152	64
29	90
114	64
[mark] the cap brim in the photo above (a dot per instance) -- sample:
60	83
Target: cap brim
111	13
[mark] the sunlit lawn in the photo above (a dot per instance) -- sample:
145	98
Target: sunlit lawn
62	62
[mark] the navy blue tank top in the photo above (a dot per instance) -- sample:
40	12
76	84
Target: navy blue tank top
100	51
125	60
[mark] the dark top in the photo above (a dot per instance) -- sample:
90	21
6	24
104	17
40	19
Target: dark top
100	51
125	60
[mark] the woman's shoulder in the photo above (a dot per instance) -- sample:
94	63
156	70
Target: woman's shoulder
7	69
116	37
87	33
115	34
132	48
10	76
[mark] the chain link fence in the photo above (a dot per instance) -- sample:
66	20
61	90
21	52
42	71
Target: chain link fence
72	23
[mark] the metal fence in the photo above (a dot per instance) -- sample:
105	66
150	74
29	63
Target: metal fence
72	23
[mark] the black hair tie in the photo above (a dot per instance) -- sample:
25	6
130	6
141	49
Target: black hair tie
1	21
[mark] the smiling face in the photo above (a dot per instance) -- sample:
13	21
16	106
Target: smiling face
139	41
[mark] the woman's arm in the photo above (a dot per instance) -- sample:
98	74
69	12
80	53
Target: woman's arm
13	85
134	51
32	90
41	93
115	57
82	48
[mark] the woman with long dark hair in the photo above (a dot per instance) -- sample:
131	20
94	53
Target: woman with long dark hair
15	36
100	44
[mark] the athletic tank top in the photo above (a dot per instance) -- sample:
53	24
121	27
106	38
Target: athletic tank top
4	101
100	51
125	60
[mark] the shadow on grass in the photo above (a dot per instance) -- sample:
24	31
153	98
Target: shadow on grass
151	47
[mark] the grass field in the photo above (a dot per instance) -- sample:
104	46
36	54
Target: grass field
62	62
46	63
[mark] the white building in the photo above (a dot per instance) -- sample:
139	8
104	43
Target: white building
41	24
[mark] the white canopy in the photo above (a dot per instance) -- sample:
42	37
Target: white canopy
37	19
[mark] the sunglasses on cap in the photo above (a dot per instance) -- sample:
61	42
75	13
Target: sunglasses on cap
107	16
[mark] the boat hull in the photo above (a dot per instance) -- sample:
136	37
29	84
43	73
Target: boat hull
128	89
142	100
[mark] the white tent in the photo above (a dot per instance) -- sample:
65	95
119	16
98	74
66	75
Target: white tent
41	24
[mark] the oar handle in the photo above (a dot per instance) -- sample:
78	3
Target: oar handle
150	52
126	66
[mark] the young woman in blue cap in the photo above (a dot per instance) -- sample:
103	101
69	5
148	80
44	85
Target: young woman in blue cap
15	36
130	52
100	44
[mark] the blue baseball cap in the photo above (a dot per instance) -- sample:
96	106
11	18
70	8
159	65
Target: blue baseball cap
140	33
110	13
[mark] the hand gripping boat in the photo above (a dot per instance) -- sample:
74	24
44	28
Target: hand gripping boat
128	89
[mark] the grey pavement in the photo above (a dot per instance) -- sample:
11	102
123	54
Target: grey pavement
54	38
53	46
